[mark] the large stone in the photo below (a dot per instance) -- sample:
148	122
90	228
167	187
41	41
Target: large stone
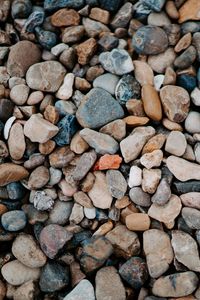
176	143
158	251
10	172
191	199
189	11
83	291
98	108
45	76
191	217
22	55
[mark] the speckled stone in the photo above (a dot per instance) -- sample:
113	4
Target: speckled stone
127	88
13	220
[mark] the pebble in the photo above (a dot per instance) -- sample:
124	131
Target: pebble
25	249
135	177
185	59
65	17
163	193
184	42
109	284
73	34
152	159
16	142
15	273
6	109
176	110
191	217
52	238
54	277
171	125
36	18
38	178
10	172
95	253
176	138
83	291
150	40
66	89
195	96
191	199
108	161
102	143
13	220
100	193
186	250
192	122
132	145
143	72
67	128
116	129
138	222
94	28
7	126
154	143
166	213
127	88
150	180
189	11
139	197
175	285
84	164
134	121
134	272
107	82
160	62
35	98
158	19
60	213
17	65
158	81
117	61
50	5
77	214
90	213
21	9
100	15
158	251
60	157
42	201
45	76
116	183
47	39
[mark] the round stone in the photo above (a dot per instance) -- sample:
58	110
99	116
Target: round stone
13	220
192	122
176	143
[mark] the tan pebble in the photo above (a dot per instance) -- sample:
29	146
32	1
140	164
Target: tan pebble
100	15
78	144
161	61
151	179
171	125
82	84
88	182
151	102
82	199
143	72
170	76
184	42
189	153
65	17
28	111
152	159
86	50
130	209
138	222
10	172
105	228
171	10
190	10
136	121
35	97
47	148
135	107
122	203
155	143
16	142
51	114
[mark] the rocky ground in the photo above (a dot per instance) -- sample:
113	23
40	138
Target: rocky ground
99	149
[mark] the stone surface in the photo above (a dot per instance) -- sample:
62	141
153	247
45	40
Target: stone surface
14	220
176	138
19	94
139	197
152	159
163	193
189	11
38	178
116	183
108	161
66	89
107	82
65	17
160	62
127	88
108	109
143	72
116	129
16	142
73	34
191	199
138	222
158	251
151	179
86	50
83	291
191	217
192	122
10	172
67	126
135	177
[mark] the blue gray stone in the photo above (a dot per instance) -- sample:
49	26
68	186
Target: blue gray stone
68	127
187	81
98	108
47	39
110	5
21	9
15	190
84	291
155	5
13	220
127	88
35	19
52	5
107	82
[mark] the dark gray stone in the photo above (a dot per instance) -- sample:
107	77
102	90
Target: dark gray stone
127	88
155	5
21	9
35	19
68	127
52	5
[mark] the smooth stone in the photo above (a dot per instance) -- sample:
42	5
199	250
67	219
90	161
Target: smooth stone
116	129
66	89
45	76
84	164
90	213
47	39
158	81
139	197
107	82
94	28
116	183
98	97
16	142
102	143
117	61
60	213
158	251
195	96
143	72
191	217
151	103
184	42
127	88
73	34
191	199
15	273
10	172
13	220
26	291
175	285
150	40
19	94
189	11
185	250
18	60
77	214
135	177
60	157
6	109
172	126
109	285
174	139
35	98
154	143
134	272
100	193
138	222
25	249
150	180
176	165
52	238
83	291
163	193
65	107
192	122
166	213
132	145
177	109
187	81
186	187
54	277
160	62
38	178
152	159
68	126
158	19
155	5
186	59
15	190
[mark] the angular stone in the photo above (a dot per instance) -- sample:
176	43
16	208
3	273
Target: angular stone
116	183
38	178
10	172
116	129
83	291
73	34
150	180
46	76
127	88
158	251
65	17
86	50
84	164
191	217
68	126
176	143
16	142
108	109
152	159
189	11
100	15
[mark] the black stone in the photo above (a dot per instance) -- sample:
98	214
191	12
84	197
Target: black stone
35	19
68	127
110	5
52	5
187	81
47	39
11	205
185	187
6	109
15	190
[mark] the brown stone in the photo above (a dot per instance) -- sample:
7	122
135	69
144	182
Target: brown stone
116	129
47	148
143	72
86	50
73	34
82	84
170	76
65	17
100	15
51	114
16	142
151	102
171	125
184	42
60	157
38	178
190	10
94	72
135	107
171	10
136	121
155	143
161	61
10	172
138	222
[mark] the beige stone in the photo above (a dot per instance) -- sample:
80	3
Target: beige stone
143	72
190	10
16	141
155	143
138	222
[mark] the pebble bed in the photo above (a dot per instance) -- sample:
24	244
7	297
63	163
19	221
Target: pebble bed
99	149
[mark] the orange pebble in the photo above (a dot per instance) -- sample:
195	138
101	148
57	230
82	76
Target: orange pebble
107	162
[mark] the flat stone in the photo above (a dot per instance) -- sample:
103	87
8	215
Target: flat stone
158	251
109	285
102	143
39	130
68	126
99	193
176	138
108	109
191	217
60	157
154	143
186	250
175	285
52	238
160	62
10	172
116	129
73	34
132	145
46	76
127	88
65	17
116	183
151	179
134	272
158	19
163	193
176	110
150	40
143	72
191	199
84	164
107	82
189	11
192	122
117	61
15	273
166	213
25	249
18	60
152	159
139	197
135	177
83	291
14	220
16	142
176	165
38	178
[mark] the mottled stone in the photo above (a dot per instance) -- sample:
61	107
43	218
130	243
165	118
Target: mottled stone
13	220
60	157
94	28
73	34
127	88
83	291
116	129
10	172
65	17
68	126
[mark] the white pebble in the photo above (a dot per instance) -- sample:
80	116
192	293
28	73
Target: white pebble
195	96
90	213
66	89
58	49
135	176
158	81
8	126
